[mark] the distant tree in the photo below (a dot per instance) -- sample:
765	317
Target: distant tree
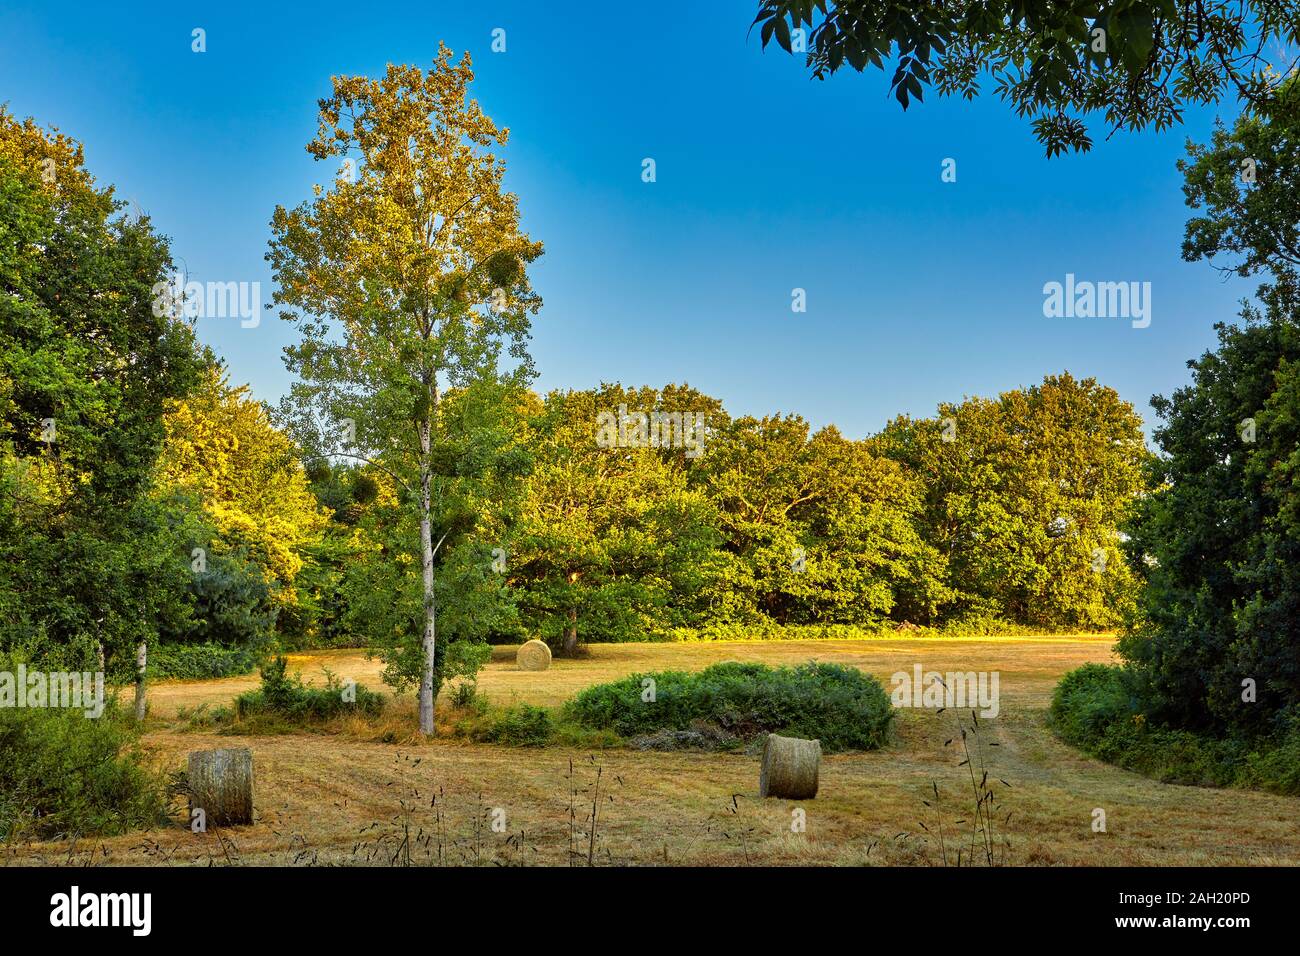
1139	63
315	618
222	446
609	541
818	529
224	597
406	277
1027	496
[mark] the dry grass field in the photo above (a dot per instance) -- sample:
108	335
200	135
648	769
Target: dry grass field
344	799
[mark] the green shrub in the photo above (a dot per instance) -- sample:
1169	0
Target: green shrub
967	626
200	661
843	707
1099	709
284	695
522	725
1091	698
466	695
63	773
1277	768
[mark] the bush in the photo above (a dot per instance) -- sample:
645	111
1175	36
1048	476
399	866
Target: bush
200	661
768	631
63	773
1277	768
522	725
286	696
1090	699
843	707
1099	709
466	695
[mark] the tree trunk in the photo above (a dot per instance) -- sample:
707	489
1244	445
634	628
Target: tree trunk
430	609
141	662
571	634
426	547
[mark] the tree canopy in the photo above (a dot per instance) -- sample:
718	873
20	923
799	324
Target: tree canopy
1136	63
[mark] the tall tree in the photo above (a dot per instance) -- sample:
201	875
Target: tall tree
1222	531
87	367
407	276
1223	534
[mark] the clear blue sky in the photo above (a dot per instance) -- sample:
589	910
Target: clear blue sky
918	290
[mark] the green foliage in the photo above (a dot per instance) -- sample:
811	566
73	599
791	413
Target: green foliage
608	543
285	696
1091	698
64	774
81	350
231	603
1098	709
773	527
1151	60
79	340
466	696
1026	496
816	529
407	281
317	615
770	529
364	586
1212	689
112	583
200	661
843	707
1243	183
1223	535
521	725
1276	767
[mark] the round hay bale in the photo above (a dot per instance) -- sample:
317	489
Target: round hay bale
221	785
789	768
533	656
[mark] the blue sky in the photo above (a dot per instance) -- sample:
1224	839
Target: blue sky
918	291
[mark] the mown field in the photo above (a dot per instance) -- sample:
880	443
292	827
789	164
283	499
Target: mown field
346	799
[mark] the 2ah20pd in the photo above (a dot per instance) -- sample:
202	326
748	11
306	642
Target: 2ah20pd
1196	897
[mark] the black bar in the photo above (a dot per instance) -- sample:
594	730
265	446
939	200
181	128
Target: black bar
355	905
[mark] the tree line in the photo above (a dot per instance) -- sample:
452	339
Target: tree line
147	500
